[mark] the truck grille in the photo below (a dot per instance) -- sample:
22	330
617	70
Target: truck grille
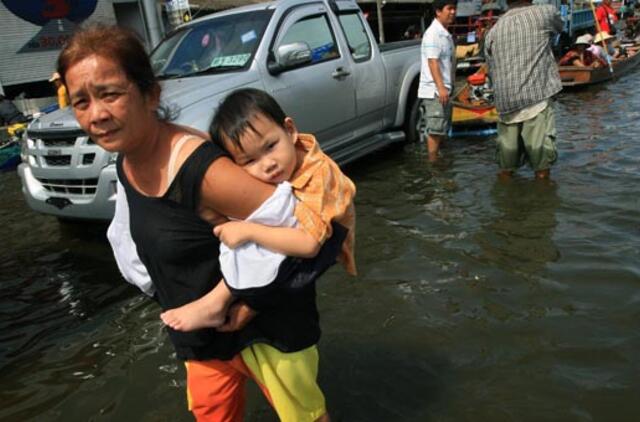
58	142
88	159
57	160
70	186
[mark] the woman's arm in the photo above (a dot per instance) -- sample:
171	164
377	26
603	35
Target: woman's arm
226	190
231	191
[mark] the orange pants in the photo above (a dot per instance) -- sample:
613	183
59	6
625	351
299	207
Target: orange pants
216	388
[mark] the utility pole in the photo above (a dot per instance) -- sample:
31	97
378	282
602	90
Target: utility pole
152	22
379	5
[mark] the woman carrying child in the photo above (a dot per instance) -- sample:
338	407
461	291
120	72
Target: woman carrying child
265	142
177	187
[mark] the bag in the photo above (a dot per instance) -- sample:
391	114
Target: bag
612	29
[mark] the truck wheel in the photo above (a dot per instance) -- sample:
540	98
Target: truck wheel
411	125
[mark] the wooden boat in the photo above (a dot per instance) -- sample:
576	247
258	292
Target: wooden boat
468	59
10	147
9	156
576	77
469	65
473	104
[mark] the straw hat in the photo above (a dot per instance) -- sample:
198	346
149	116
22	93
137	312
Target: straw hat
602	36
54	77
584	40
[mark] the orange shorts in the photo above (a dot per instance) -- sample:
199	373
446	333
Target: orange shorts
216	388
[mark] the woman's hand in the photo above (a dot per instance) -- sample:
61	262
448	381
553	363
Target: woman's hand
238	316
233	233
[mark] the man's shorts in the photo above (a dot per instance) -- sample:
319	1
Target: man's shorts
532	141
215	388
434	118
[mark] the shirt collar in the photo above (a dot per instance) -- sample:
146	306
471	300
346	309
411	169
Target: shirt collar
440	26
312	159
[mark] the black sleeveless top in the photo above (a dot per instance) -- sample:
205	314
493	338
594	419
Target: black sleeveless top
181	255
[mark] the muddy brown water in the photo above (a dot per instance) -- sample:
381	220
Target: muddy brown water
476	300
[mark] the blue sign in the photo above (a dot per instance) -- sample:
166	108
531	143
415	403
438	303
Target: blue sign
58	19
41	12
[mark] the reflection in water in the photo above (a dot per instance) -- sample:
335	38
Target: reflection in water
520	236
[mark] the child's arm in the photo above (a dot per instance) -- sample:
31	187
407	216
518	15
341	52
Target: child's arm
285	240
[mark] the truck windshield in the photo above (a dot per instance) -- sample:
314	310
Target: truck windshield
214	45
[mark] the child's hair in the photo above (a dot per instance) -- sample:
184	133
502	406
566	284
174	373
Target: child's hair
235	112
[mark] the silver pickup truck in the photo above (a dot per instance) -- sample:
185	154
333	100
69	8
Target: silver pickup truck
318	58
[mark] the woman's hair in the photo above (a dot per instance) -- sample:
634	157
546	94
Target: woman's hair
115	43
234	115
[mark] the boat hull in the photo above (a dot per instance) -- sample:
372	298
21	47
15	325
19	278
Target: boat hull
9	157
473	116
576	77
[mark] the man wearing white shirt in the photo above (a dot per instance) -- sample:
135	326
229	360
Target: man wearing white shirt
437	76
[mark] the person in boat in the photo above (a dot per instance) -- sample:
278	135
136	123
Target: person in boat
624	10
525	79
632	28
611	52
61	90
174	187
580	55
437	73
607	17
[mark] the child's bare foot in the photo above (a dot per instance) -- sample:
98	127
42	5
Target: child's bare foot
201	313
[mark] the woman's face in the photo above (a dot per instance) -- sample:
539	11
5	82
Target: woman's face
108	106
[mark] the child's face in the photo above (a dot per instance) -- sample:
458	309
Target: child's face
269	152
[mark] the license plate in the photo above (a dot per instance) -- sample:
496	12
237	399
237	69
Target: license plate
58	202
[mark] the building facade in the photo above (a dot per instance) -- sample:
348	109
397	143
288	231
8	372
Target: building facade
34	31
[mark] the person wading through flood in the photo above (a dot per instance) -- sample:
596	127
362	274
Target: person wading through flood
436	77
525	78
175	186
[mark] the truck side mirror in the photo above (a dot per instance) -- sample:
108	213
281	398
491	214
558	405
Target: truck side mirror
288	56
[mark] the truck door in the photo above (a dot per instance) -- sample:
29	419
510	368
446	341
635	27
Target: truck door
319	95
369	74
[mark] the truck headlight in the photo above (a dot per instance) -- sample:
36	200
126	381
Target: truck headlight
113	158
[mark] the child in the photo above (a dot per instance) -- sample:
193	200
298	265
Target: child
252	127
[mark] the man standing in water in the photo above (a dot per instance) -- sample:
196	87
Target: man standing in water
525	79
436	77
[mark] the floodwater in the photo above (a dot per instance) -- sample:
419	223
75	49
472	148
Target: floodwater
476	300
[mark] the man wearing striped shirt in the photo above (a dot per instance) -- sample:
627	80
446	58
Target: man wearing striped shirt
525	79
